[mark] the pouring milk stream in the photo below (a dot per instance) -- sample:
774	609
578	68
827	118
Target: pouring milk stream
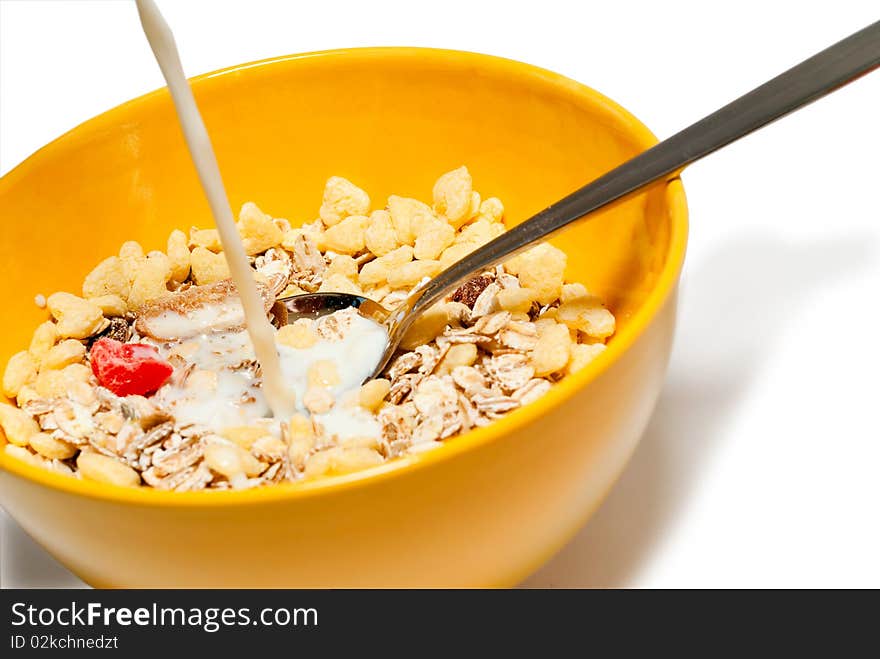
281	401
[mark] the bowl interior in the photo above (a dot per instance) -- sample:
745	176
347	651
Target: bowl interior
391	120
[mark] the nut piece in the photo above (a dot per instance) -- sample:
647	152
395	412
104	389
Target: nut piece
50	447
552	350
69	351
21	370
231	460
587	315
372	394
17	424
341	460
107	470
258	231
77	318
207	267
178	255
460	354
341	199
452	196
426	327
516	299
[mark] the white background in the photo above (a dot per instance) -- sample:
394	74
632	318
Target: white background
761	466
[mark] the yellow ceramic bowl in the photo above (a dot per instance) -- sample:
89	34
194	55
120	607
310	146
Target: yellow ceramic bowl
487	508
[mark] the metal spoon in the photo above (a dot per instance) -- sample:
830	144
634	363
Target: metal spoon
813	78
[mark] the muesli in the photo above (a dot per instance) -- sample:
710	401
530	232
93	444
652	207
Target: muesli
148	377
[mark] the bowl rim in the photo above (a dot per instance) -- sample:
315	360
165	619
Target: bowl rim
637	324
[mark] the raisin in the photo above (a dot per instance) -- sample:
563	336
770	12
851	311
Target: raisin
118	330
469	291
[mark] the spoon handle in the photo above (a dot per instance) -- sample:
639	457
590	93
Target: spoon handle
810	80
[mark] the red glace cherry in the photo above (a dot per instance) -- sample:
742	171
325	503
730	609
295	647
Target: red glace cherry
128	368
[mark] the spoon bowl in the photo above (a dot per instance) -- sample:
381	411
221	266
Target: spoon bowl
314	305
288	310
